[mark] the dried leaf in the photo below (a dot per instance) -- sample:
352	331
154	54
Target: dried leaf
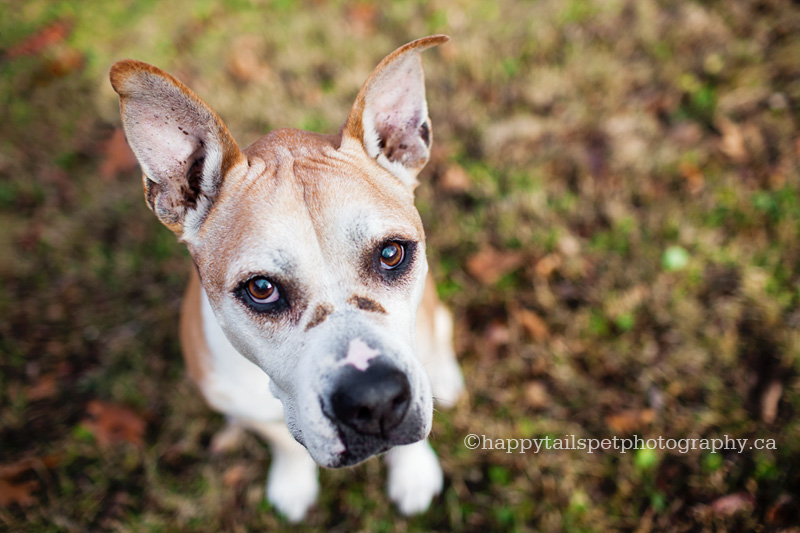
770	399
455	180
732	143
362	17
17	493
44	38
489	265
630	420
547	265
234	475
694	176
244	60
45	387
532	324
536	395
12	470
783	511
66	62
496	335
113	424
732	503
118	156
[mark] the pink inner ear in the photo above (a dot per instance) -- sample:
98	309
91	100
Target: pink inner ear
396	102
176	140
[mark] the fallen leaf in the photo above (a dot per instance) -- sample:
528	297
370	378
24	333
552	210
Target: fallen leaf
783	511
732	503
732	143
455	180
489	265
245	62
17	493
12	470
630	420
362	17
547	265
536	395
66	62
45	387
770	399
531	323
45	37
496	335
693	175
118	156
113	424
234	475
569	245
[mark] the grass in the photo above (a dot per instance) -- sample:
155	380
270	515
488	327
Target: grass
640	159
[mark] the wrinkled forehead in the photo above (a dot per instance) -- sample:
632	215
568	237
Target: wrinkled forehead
308	204
358	204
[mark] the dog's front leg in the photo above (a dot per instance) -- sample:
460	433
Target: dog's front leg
292	484
415	476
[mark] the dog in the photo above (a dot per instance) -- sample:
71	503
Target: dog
310	317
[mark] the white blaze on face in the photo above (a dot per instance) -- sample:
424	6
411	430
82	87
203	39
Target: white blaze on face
359	354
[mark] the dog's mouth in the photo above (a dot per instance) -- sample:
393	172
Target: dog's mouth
360	404
373	409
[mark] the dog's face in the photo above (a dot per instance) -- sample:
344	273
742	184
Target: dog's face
314	262
309	247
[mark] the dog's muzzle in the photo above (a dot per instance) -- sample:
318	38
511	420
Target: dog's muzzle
374	399
372	402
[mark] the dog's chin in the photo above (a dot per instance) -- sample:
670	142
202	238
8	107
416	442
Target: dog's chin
349	448
359	450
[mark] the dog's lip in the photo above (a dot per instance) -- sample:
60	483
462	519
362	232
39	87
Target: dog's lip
347	458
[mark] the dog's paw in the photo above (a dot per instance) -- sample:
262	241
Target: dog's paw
292	485
415	477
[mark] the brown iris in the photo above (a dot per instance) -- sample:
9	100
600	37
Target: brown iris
392	255
262	290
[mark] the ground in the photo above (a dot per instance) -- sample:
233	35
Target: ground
612	211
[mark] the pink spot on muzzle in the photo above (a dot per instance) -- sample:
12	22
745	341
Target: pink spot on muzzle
359	354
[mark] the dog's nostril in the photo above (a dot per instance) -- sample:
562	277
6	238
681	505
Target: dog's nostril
372	402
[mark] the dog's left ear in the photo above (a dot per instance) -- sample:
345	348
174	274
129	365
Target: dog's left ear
390	115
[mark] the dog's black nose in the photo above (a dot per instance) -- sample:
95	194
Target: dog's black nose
371	402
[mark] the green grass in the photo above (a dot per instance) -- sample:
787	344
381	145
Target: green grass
641	158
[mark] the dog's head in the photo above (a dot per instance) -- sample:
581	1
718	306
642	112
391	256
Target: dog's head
309	247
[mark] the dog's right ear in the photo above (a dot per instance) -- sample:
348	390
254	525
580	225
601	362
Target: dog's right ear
183	147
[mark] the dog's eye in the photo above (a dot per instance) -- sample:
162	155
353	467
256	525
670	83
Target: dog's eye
392	255
262	291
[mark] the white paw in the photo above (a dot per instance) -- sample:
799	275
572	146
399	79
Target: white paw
415	477
292	485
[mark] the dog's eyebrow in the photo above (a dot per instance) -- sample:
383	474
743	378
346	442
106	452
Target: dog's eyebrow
267	262
370	226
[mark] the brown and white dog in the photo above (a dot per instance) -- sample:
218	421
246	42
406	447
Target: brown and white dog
310	301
